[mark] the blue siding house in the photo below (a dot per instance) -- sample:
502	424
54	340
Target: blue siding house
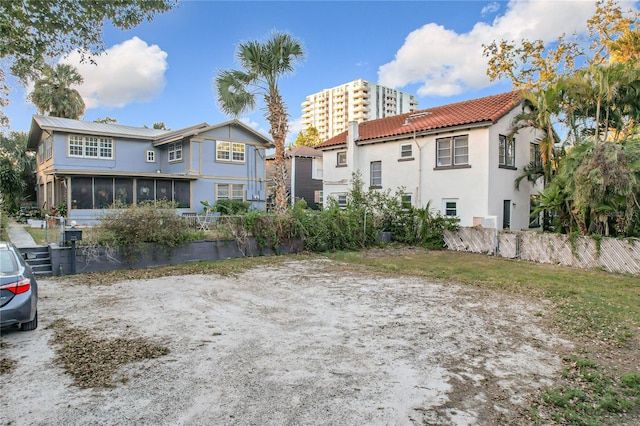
88	166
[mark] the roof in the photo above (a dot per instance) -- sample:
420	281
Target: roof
476	111
299	151
159	137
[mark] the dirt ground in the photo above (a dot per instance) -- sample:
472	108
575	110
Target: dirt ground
303	342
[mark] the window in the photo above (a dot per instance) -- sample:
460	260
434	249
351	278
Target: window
238	152
90	147
103	192
341	158
453	151
376	174
227	151
41	153
48	148
534	219
318	197
175	151
534	155
151	156
450	208
164	190
227	191
406	151
406	201
124	191
342	200
316	168
507	155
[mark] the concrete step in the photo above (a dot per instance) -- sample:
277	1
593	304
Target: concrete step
39	260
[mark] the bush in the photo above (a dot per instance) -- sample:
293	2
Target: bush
130	227
232	207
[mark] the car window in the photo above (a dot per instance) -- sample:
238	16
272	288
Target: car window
8	264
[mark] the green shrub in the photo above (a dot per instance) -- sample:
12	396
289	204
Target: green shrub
232	207
130	227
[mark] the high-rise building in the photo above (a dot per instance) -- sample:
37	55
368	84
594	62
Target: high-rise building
330	110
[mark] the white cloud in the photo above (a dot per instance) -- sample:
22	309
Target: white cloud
446	63
490	8
128	72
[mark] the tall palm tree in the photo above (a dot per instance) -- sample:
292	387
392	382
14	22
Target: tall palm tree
542	106
262	65
53	94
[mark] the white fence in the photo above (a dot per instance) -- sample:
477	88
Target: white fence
610	254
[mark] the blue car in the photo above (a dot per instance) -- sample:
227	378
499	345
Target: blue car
18	290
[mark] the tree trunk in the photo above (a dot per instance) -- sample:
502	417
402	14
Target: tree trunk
278	121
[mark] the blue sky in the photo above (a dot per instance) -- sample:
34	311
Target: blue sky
164	70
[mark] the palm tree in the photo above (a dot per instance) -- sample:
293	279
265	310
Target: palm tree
262	65
53	94
541	107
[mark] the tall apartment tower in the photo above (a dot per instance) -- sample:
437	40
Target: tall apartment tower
330	110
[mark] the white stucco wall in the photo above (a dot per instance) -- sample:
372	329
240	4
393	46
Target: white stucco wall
479	190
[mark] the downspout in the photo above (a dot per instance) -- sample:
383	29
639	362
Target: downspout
293	179
419	190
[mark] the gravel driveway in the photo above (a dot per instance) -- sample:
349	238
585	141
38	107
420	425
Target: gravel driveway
304	342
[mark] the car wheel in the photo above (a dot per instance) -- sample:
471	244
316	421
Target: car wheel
31	325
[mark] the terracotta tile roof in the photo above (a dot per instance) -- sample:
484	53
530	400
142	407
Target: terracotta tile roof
489	108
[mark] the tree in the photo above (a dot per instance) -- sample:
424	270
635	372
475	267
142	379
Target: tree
17	171
541	107
262	66
614	36
160	125
53	94
36	30
106	120
595	188
310	137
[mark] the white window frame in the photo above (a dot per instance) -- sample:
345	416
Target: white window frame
452	151
341	158
342	200
318	197
506	151
406	200
174	151
151	156
233	191
79	146
232	152
406	150
375	177
316	168
48	148
450	205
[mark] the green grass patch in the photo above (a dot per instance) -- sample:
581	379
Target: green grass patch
591	396
39	235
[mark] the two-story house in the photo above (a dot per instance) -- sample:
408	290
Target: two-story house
304	175
88	166
458	158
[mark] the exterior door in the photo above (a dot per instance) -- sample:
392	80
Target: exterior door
506	214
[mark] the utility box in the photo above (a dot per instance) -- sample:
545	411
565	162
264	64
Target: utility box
72	235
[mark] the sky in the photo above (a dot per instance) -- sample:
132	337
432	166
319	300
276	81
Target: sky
163	71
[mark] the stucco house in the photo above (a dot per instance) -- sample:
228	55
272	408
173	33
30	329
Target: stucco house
457	157
89	166
304	175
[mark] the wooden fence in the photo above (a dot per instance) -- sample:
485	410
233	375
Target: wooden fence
610	254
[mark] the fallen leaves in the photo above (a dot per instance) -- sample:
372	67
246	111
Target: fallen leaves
91	360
